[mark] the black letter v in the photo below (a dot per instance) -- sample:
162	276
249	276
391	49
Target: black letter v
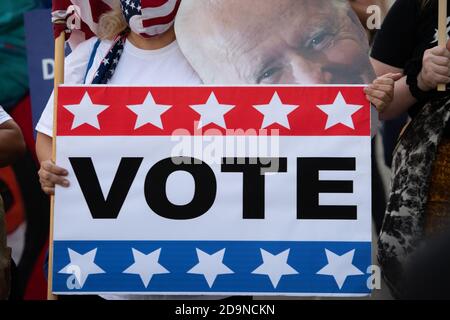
92	191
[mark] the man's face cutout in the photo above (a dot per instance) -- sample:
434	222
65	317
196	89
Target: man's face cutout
274	41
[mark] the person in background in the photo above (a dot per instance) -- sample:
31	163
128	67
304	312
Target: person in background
419	204
12	146
364	12
13	66
390	129
26	207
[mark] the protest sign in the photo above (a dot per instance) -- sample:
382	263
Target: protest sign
213	190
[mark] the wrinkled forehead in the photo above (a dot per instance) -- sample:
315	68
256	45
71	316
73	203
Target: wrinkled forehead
234	20
256	17
266	11
256	22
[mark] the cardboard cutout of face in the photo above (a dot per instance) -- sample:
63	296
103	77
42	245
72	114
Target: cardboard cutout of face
274	42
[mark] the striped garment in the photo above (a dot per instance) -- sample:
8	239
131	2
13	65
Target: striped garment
146	17
150	17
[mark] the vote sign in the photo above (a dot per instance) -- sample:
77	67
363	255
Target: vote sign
213	190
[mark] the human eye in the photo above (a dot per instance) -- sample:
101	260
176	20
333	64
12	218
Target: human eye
319	41
269	75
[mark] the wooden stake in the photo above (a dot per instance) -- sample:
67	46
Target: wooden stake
59	79
442	33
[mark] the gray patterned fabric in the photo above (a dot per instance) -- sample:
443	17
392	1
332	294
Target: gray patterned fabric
402	231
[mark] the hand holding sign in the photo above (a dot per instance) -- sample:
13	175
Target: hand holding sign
51	175
436	68
381	92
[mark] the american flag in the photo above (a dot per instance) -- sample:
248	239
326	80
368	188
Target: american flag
79	17
151	17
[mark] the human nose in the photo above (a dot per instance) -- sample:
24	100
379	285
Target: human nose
307	71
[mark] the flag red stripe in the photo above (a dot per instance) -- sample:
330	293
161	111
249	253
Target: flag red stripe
162	20
154	3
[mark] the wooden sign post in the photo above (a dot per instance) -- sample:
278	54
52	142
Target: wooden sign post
442	33
59	79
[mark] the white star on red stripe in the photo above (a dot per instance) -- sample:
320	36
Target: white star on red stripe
340	112
212	112
86	112
149	112
276	112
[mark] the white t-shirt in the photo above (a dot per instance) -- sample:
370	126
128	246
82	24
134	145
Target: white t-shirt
162	67
4	116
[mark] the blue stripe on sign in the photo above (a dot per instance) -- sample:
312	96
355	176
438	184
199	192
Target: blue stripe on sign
242	257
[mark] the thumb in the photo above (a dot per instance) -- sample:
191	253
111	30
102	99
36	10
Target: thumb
394	76
448	45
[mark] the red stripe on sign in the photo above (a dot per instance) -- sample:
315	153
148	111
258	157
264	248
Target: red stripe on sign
165	111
